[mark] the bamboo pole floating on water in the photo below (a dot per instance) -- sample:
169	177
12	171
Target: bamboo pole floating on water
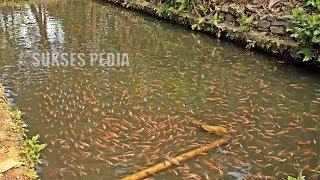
175	161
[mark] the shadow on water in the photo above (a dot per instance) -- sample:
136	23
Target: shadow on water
109	122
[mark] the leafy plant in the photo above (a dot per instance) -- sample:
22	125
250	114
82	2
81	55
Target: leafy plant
174	5
199	24
31	151
182	4
166	9
216	19
18	125
307	33
314	3
300	177
16	115
31	174
245	23
203	9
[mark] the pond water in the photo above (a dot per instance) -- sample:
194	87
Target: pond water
106	123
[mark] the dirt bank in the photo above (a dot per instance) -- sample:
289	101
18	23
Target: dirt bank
10	142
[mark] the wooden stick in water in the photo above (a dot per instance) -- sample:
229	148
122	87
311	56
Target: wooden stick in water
218	130
175	161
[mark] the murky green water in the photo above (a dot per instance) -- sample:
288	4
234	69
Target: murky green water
106	123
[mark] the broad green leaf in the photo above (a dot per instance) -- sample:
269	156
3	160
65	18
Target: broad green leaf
35	138
41	147
181	7
291	178
307	54
318	4
311	3
316	39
